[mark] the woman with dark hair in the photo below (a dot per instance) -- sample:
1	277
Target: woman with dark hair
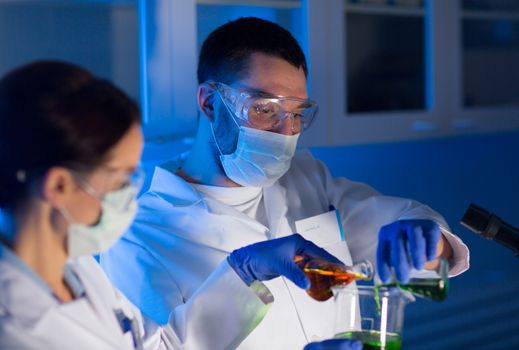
70	145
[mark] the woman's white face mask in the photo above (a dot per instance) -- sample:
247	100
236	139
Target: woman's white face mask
118	211
261	157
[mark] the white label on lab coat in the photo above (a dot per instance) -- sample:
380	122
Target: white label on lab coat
323	229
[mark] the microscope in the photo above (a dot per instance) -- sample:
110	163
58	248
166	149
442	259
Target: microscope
491	227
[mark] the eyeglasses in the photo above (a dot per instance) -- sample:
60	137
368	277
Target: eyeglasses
267	112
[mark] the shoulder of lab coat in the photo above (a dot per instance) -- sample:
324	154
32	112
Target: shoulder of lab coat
364	210
32	318
172	188
222	312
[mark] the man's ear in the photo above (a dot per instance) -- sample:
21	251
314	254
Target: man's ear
205	99
57	185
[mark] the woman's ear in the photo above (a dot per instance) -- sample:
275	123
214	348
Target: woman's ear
205	99
56	186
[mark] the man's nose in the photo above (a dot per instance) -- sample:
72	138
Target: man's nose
289	125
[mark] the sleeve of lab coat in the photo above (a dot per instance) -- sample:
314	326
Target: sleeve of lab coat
364	211
222	312
128	265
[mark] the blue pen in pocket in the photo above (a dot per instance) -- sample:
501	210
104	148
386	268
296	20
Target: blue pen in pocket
339	220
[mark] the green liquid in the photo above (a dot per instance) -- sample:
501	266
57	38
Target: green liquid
371	340
428	288
432	289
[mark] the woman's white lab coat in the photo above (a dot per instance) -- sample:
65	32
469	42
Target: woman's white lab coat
181	236
32	318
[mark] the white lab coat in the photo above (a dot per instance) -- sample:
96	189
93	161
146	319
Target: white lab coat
32	318
179	237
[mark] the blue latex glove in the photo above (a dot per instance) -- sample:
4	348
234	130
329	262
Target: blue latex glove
269	259
405	244
335	344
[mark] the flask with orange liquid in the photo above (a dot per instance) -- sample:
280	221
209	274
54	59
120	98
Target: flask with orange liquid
324	275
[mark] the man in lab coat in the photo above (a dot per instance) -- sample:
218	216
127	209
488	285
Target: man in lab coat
243	182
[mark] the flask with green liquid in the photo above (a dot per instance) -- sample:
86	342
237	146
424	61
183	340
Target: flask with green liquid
429	288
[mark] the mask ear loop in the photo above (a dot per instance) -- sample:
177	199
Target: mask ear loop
232	117
85	186
66	215
215	141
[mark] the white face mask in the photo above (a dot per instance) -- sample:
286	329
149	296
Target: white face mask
118	211
261	157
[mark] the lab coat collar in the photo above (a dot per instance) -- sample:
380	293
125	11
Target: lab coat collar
18	287
182	195
12	259
173	188
99	296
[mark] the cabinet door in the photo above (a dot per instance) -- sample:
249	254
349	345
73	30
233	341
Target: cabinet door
372	70
100	36
389	70
489	55
385	57
168	70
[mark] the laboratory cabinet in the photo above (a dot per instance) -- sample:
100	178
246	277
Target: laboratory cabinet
401	70
381	70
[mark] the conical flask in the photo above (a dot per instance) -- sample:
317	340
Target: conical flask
324	275
429	288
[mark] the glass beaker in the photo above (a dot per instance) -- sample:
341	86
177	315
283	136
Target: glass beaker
373	315
324	275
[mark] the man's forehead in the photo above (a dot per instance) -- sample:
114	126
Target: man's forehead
275	76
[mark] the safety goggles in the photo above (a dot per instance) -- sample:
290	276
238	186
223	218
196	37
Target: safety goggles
264	111
134	179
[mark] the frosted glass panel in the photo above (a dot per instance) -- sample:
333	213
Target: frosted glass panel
385	62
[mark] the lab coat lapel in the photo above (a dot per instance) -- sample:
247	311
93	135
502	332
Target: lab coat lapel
173	189
80	313
94	311
17	288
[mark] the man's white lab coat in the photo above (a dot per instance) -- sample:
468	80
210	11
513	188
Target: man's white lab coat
180	236
32	318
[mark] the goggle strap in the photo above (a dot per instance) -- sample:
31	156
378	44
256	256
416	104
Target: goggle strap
215	141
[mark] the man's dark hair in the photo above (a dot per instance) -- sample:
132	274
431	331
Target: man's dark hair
225	53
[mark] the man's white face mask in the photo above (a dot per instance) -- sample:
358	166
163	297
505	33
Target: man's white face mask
261	157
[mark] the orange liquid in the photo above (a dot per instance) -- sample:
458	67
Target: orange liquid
324	275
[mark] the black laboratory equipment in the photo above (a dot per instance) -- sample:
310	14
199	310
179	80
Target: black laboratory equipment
491	227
